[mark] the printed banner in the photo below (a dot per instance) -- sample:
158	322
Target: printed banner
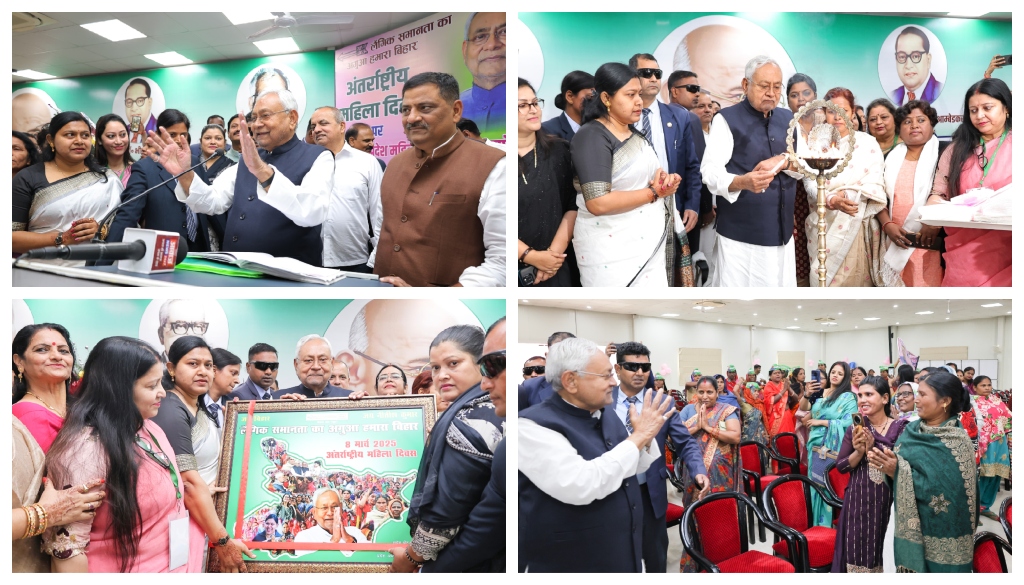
370	74
905	356
316	484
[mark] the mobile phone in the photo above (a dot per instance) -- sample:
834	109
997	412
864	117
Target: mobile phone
527	276
857	419
816	375
1007	60
136	124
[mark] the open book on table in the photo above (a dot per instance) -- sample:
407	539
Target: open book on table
281	267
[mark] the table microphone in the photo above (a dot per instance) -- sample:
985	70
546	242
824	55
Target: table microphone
104	223
145	251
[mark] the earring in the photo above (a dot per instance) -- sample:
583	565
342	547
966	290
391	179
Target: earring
20	378
172	377
607	104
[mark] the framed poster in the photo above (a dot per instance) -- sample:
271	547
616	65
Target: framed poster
321	485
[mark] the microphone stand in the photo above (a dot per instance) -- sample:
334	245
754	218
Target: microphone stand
104	224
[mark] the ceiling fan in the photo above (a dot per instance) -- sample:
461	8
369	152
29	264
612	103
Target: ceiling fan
286	20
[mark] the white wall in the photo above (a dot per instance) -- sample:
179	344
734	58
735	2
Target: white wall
741	346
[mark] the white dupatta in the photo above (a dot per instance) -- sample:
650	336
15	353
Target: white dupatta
896	258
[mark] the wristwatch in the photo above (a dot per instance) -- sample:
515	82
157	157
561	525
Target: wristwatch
59	240
266	184
218	543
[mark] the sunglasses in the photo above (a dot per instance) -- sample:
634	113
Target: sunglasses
530	370
634	366
690	87
262	366
492	364
647	72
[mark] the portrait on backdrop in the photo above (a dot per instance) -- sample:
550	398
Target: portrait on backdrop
912	65
269	75
31	109
164	321
139	102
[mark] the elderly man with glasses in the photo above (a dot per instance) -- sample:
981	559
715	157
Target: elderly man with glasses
579	463
314	363
483	51
277	198
746	150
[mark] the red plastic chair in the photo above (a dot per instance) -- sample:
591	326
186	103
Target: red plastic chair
1006	517
989	555
756	459
836	481
788	502
673	515
787	445
715	536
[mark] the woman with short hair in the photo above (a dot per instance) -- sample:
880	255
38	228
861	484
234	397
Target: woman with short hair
390	381
882	125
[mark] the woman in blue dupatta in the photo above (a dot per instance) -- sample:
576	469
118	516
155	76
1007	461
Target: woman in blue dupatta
828	421
716	426
935	482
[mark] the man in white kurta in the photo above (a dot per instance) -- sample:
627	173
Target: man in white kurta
754	244
327	511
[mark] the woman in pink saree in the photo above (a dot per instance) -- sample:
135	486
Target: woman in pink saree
981	156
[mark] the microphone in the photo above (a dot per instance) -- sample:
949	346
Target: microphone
144	251
104	223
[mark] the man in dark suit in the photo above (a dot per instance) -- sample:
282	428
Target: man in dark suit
671	131
537	390
633	366
262	370
313	364
160	209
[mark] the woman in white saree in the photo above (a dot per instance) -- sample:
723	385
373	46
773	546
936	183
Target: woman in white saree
909	173
57	201
624	232
853	198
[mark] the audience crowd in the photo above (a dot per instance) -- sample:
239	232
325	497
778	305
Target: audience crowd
722	201
326	201
934	444
117	459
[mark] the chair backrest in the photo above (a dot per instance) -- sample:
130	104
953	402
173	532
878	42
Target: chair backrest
988	553
718	527
787	445
837	480
1006	517
750	457
789	499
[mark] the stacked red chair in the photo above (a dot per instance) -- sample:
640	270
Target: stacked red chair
787	501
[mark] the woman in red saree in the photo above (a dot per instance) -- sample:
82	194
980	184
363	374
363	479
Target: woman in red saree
778	416
981	155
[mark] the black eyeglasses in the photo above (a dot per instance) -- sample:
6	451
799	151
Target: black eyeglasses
647	72
915	57
262	366
531	370
690	87
137	101
182	327
525	106
492	364
634	366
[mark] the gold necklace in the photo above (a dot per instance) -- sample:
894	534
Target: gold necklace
885	427
46	404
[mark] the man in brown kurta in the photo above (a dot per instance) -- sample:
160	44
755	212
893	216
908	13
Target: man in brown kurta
443	199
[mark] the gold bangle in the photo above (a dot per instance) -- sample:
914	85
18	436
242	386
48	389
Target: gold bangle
30	524
42	518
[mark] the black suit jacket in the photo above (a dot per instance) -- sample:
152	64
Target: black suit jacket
559	127
329	392
534	391
159	210
657	473
247	390
682	158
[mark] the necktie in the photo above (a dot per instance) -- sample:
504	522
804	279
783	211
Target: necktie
191	224
266	396
629	424
215	412
911	96
648	134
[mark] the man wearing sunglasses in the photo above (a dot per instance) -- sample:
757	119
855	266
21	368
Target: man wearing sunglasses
538	389
670	130
533	368
262	370
633	368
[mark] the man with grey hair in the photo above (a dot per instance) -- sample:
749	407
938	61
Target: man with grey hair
314	362
483	51
355	198
276	200
330	523
578	466
179	318
746	150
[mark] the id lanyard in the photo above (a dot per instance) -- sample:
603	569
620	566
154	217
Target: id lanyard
174	474
992	160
